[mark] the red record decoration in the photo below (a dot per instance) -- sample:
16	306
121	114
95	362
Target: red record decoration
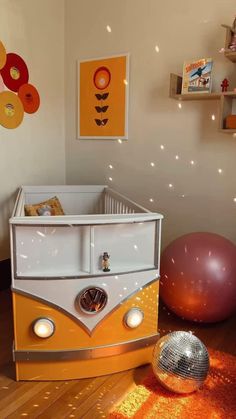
15	72
29	97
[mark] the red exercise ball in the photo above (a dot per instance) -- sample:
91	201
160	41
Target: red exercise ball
198	277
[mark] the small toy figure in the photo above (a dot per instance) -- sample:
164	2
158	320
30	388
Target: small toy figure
105	262
45	210
224	85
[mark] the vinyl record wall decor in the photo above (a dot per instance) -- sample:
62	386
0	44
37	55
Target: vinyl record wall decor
103	98
17	95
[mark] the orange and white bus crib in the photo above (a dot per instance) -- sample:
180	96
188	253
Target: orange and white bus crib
85	284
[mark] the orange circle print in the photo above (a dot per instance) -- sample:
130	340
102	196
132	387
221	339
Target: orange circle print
102	78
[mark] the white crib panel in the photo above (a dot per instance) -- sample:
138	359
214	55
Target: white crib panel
52	251
130	246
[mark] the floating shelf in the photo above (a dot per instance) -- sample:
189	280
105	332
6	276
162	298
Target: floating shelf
225	98
176	86
230	55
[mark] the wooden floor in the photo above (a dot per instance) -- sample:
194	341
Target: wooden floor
89	398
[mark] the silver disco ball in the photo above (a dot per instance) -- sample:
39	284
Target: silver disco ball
180	362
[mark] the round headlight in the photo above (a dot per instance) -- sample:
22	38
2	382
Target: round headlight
44	328
133	318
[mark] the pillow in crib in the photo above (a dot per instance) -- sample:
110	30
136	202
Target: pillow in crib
50	207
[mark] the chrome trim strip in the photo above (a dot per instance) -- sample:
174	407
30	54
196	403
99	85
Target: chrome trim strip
68	224
62	310
48	278
86	353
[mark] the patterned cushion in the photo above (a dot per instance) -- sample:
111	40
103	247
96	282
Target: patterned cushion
53	205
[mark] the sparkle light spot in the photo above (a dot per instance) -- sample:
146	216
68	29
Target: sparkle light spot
176	157
119	141
151	200
110	166
213	117
170	185
235	199
180	105
40	233
162	147
157	49
192	162
152	164
220	171
108	29
125	82
110	179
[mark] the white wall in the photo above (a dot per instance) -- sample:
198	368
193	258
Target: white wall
183	31
33	153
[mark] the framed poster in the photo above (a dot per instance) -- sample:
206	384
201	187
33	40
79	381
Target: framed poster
103	85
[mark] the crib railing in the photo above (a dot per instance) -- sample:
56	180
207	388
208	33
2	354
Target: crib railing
115	203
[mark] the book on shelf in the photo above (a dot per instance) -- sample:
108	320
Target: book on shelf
197	76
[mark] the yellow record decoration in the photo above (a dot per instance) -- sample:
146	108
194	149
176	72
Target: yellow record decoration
11	110
3	55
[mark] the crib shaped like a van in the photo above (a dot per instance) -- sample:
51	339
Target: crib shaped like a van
75	315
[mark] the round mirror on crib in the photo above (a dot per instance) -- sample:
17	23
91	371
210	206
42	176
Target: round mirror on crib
91	300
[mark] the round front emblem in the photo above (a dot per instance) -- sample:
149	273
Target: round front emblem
91	300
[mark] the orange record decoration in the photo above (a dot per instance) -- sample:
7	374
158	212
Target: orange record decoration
29	97
15	72
11	110
102	78
3	55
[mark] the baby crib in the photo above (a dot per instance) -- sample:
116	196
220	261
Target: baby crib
84	284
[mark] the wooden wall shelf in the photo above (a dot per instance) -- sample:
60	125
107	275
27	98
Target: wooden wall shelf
230	55
226	99
176	86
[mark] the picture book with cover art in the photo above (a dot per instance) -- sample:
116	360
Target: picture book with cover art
197	76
